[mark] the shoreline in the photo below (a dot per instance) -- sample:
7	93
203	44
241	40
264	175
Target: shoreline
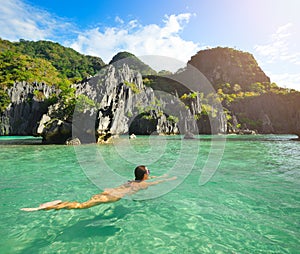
31	140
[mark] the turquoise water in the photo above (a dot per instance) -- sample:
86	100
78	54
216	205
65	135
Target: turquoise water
250	205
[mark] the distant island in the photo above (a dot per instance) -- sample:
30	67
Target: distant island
57	93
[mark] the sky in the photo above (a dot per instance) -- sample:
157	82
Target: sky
178	29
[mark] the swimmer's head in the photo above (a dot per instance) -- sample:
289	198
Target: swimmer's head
141	173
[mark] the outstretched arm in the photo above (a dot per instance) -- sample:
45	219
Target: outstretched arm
161	181
156	177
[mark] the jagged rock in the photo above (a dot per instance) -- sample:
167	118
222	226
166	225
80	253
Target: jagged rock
246	132
123	104
73	141
267	126
198	84
57	132
131	60
25	110
119	95
269	113
132	136
104	138
45	119
233	127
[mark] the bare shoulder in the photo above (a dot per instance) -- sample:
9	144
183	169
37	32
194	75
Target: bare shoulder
140	185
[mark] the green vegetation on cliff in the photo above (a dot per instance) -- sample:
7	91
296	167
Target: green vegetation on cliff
4	100
44	61
248	97
19	67
227	65
133	62
67	61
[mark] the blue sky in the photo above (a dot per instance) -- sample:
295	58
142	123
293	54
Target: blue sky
269	29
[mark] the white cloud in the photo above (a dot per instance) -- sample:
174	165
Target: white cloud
280	47
282	53
119	20
19	20
286	80
140	40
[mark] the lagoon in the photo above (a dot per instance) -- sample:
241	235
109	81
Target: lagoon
251	204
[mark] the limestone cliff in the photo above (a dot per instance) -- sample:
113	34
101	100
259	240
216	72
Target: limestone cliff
269	113
133	62
28	104
114	103
251	102
120	101
227	65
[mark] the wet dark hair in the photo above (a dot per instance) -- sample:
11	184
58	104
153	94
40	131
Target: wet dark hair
139	172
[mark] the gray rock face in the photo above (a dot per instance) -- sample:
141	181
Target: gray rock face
116	102
227	65
73	142
269	113
124	105
28	104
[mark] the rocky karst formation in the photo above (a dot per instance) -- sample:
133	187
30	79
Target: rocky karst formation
226	65
28	104
120	101
265	109
269	113
114	103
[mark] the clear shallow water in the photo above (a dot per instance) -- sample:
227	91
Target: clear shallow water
250	205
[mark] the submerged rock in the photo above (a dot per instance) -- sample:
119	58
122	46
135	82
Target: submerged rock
189	135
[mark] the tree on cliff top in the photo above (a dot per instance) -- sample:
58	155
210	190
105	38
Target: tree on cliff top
133	62
226	65
17	67
67	61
